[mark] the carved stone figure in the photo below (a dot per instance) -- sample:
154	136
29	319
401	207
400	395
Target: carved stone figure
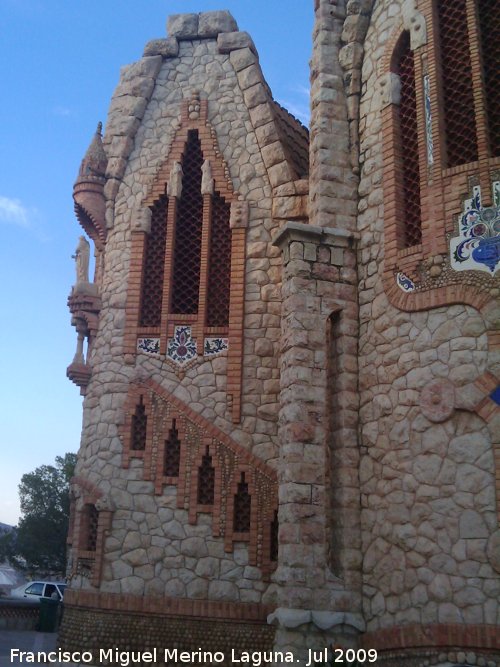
82	259
174	187
207	181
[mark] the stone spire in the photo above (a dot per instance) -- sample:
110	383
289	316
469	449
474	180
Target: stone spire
94	163
88	191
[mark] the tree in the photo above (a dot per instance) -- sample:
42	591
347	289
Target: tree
39	541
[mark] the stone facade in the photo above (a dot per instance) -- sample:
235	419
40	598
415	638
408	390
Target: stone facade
307	450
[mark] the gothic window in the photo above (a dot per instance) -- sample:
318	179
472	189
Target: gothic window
206	480
172	452
242	507
188	231
407	138
154	265
139	427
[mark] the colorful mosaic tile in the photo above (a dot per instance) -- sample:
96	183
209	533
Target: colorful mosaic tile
148	345
495	395
496	193
182	347
214	346
428	121
477	246
404	283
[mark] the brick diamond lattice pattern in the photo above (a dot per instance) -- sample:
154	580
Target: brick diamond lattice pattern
220	264
93	520
458	95
242	507
154	262
188	231
409	145
489	22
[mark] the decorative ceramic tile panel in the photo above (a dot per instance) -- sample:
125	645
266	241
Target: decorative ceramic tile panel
214	346
182	347
404	283
148	345
477	246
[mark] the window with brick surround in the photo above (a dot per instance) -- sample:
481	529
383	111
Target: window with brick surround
441	131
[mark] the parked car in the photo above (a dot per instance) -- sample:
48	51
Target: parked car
35	590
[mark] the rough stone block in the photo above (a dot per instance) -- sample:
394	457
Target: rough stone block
230	41
183	26
354	29
210	24
255	95
167	48
242	58
351	56
250	76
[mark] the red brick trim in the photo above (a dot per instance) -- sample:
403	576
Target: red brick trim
434	636
442	190
145	606
220	172
229	459
91	495
435	298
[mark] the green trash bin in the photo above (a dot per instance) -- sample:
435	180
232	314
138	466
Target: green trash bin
47	620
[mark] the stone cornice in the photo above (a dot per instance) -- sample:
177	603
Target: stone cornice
299	231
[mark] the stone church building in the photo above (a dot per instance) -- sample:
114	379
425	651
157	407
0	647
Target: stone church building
289	348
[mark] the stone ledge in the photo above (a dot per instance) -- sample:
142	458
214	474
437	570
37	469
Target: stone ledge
299	231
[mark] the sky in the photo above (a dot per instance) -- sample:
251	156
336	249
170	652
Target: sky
59	64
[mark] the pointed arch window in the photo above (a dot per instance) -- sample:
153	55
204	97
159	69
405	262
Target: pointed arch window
188	232
186	265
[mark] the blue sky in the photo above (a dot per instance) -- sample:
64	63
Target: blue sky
59	64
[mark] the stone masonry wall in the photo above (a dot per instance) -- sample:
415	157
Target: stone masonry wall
152	548
427	489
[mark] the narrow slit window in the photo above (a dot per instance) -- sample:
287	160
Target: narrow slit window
139	426
206	480
172	452
242	507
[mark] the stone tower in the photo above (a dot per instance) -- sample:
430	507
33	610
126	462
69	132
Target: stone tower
289	352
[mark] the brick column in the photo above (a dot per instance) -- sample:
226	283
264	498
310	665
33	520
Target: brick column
316	605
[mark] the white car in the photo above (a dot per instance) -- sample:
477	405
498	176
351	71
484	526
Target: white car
36	590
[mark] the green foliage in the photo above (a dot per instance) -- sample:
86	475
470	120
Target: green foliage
39	542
